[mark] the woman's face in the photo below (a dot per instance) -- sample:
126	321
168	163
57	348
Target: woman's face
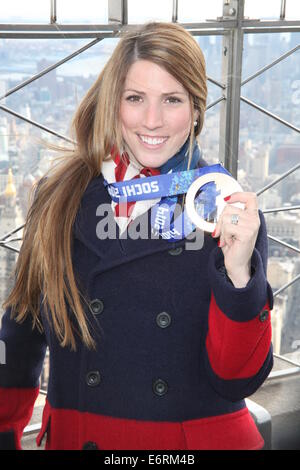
155	114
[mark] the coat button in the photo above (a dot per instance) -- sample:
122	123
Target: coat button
93	378
175	251
90	445
160	387
263	315
163	320
96	306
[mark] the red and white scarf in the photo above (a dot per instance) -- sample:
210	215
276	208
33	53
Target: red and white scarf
121	168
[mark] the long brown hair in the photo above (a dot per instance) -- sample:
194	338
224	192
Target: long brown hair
44	268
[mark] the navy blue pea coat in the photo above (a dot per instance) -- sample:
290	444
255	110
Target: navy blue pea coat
178	348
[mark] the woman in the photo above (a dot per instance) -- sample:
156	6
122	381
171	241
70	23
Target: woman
152	346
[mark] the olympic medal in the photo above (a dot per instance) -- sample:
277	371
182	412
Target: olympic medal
225	185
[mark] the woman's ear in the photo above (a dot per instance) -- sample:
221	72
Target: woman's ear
197	122
196	116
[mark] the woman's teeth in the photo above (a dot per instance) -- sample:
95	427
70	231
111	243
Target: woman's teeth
153	140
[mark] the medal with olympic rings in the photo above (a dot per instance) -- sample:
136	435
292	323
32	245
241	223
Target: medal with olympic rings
225	186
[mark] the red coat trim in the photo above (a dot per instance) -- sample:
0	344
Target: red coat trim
71	429
16	407
236	350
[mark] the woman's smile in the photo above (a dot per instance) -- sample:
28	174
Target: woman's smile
152	142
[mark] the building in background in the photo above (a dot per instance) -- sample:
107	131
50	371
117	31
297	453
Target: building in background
10	218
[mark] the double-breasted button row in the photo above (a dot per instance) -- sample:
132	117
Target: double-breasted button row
163	319
159	386
93	378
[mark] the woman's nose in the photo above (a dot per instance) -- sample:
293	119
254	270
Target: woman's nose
153	117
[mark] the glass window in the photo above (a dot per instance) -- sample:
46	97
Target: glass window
25	11
267	149
82	11
140	12
193	11
52	99
209	137
262	10
292	10
278	88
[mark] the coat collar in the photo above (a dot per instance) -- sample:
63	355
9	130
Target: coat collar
131	170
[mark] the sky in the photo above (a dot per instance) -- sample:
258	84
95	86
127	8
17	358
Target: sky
96	11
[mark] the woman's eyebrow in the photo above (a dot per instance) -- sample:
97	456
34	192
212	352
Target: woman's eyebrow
135	91
163	94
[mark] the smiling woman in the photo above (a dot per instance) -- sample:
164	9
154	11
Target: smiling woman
152	345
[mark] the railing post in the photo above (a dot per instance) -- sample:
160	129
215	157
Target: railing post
118	11
282	9
53	15
232	51
175	11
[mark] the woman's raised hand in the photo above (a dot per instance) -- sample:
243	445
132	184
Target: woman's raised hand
237	229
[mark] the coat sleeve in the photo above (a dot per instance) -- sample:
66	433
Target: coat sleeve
23	352
238	345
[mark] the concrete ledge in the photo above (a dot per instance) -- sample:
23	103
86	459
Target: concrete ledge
280	396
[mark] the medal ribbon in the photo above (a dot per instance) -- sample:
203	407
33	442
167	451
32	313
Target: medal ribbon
168	187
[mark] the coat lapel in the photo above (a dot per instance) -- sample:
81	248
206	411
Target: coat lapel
95	227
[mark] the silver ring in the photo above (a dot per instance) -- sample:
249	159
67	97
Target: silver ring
234	219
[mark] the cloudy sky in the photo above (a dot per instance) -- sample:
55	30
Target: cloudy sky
96	11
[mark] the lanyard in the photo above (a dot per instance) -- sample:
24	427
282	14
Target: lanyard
164	219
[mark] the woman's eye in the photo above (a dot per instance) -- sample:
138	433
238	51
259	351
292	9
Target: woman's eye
173	100
134	98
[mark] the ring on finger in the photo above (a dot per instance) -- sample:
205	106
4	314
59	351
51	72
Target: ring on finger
234	219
